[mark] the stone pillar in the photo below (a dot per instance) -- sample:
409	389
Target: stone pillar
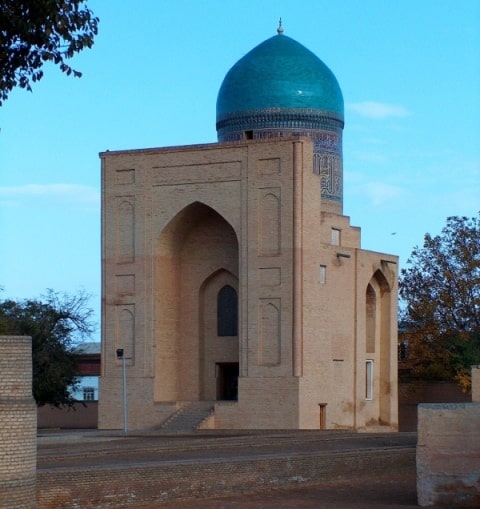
476	384
18	424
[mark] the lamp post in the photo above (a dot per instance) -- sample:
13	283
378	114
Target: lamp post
120	355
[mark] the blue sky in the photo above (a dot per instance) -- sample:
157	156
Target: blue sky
410	76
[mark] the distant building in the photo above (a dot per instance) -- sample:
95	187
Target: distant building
85	412
231	275
89	368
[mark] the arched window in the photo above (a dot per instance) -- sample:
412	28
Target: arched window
227	312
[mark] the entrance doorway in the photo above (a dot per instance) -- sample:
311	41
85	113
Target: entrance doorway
227	381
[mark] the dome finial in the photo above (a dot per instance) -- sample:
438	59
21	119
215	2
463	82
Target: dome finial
280	28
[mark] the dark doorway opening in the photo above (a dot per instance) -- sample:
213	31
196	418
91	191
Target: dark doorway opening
227	381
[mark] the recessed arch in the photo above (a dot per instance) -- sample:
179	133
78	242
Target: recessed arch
182	221
381	280
126	332
215	350
125	231
196	244
378	325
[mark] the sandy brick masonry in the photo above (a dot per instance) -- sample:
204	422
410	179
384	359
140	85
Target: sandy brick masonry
18	424
179	225
448	452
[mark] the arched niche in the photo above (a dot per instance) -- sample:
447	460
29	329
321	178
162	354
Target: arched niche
219	351
378	330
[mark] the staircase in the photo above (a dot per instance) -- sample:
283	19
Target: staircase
189	416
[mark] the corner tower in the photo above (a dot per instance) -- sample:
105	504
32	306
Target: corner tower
278	89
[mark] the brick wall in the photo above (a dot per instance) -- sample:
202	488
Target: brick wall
412	393
17	424
81	417
136	486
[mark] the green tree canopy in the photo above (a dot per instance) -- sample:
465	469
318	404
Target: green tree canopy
440	290
54	322
33	32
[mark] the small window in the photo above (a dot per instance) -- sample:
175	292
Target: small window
88	394
369	380
249	135
323	274
227	312
335	237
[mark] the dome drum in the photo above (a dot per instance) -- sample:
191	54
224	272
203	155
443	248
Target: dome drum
276	118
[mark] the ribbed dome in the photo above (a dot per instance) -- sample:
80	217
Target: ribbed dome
279	73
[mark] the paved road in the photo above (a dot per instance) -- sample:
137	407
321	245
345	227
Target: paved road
62	449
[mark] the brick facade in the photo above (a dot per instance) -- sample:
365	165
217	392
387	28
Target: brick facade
179	223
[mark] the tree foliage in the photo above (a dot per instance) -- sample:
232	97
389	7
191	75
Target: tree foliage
33	32
54	322
440	289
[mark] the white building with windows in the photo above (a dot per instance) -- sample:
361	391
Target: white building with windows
88	355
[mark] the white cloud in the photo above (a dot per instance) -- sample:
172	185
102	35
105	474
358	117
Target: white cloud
380	193
55	194
372	109
372	157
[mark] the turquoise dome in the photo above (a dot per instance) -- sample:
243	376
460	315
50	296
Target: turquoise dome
281	89
279	73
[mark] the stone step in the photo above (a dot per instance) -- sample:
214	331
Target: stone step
189	416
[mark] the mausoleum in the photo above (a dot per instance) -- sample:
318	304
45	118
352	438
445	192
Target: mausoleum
230	276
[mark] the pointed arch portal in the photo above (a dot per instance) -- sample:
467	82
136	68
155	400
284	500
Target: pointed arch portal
196	270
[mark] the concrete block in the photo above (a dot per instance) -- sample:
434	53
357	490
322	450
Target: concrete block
448	455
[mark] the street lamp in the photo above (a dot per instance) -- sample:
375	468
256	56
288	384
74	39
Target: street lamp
120	355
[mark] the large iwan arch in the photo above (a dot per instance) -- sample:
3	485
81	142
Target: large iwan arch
197	254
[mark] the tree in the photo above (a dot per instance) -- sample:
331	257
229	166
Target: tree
33	32
441	295
54	322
